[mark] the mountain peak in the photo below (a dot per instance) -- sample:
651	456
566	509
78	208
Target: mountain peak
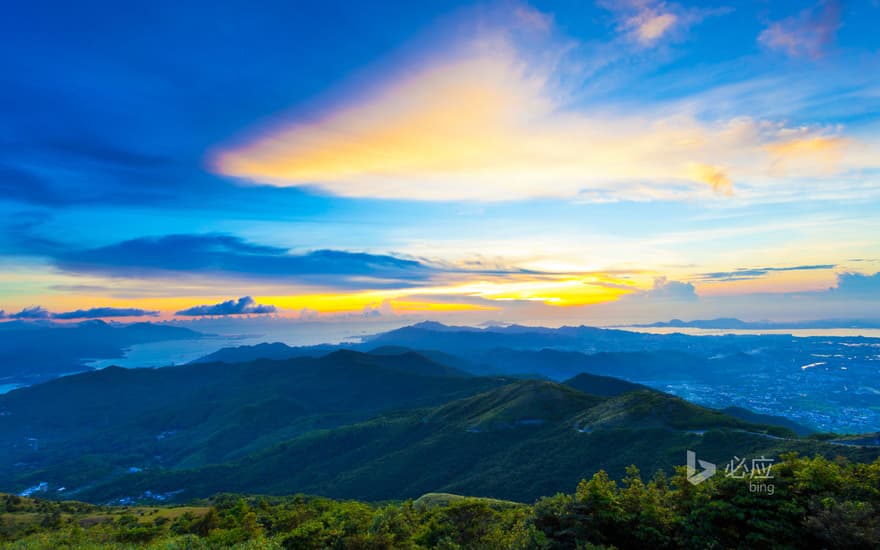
521	403
430	325
94	323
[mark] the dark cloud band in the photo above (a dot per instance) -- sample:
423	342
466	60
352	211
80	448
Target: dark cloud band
227	254
754	273
243	306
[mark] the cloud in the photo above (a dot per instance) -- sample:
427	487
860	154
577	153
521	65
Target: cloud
665	289
484	129
808	154
227	254
807	34
37	312
532	18
651	28
384	309
309	314
30	313
646	21
493	118
82	289
243	306
745	273
98	312
714	176
858	284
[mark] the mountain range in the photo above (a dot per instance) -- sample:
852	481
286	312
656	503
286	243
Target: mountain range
389	424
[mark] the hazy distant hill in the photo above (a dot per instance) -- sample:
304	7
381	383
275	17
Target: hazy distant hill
605	386
280	351
733	323
465	340
30	352
274	350
556	354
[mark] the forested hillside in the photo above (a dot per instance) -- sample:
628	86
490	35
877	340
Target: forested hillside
817	503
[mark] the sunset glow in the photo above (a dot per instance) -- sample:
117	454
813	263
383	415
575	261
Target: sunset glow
503	161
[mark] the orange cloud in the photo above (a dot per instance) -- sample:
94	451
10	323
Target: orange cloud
451	117
808	153
484	127
714	176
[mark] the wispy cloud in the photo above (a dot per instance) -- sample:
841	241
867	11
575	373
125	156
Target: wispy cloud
243	306
745	273
646	21
806	34
809	153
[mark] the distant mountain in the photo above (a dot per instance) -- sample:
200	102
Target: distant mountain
473	344
561	365
516	442
274	350
455	361
737	324
31	352
467	339
753	371
444	362
553	364
769	419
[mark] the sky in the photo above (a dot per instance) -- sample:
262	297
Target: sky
547	163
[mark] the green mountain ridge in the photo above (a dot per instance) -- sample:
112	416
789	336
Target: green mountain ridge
385	425
77	429
515	442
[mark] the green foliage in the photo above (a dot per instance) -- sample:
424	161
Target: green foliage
817	503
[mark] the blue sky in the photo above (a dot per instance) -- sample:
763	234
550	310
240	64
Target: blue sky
534	162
